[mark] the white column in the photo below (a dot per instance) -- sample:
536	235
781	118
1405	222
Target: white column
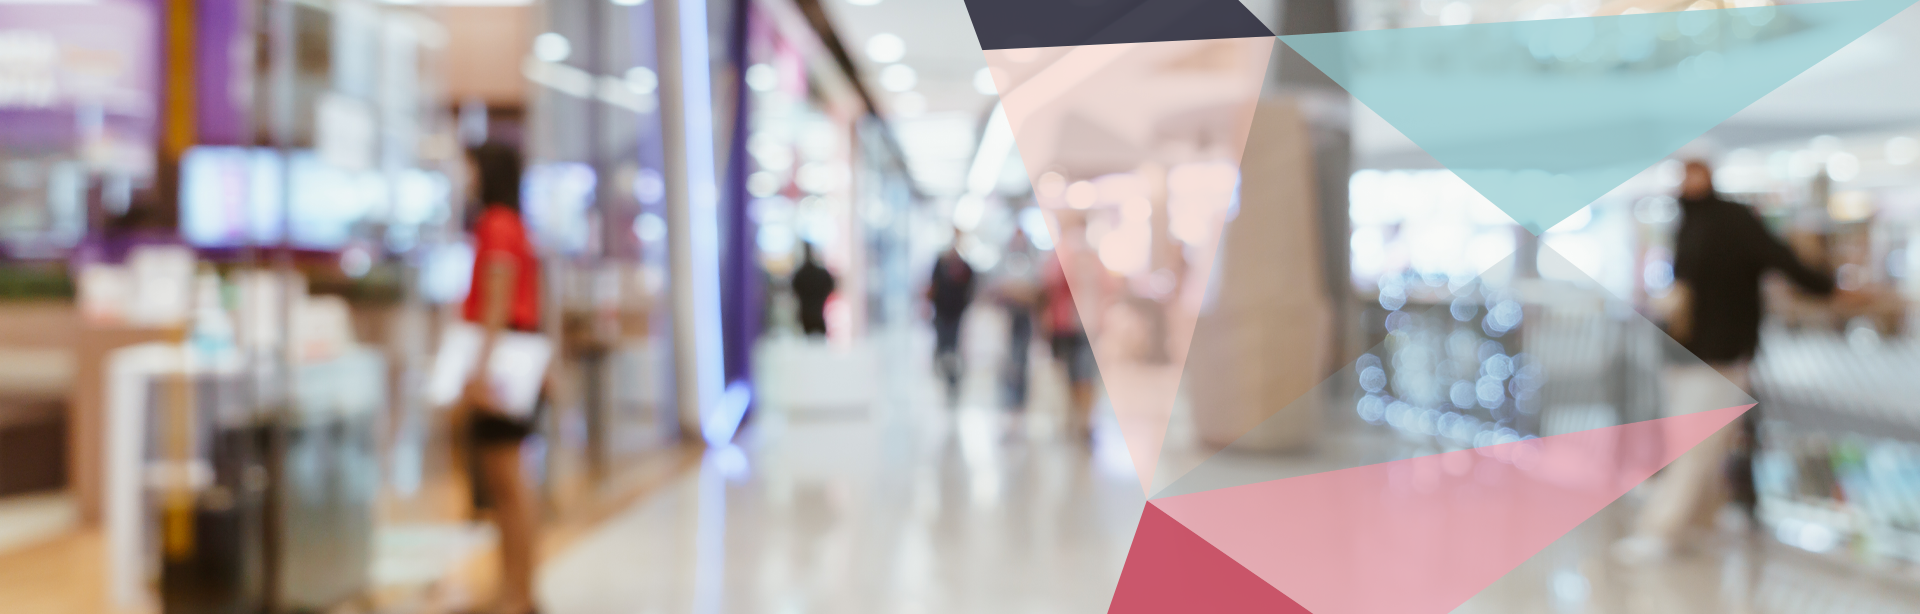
692	191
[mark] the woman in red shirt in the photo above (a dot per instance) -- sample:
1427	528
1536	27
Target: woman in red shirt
505	295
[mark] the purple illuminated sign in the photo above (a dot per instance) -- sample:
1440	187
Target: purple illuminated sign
79	78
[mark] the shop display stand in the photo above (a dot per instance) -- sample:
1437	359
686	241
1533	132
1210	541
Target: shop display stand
325	482
221	506
1839	459
1574	369
204	494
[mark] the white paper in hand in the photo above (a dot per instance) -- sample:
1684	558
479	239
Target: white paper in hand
516	371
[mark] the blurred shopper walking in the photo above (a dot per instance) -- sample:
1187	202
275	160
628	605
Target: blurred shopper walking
1017	286
505	295
1720	253
1071	350
812	284
951	291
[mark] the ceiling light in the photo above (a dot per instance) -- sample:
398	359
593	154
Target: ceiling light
967	212
898	78
1670	172
983	82
1082	194
629	2
552	47
763	184
886	48
762	78
1804	163
1903	150
642	81
1843	166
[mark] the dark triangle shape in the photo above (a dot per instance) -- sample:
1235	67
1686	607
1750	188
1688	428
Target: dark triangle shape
1171	569
1021	24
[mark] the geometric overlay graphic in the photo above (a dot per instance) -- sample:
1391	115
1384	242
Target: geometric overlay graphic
1443	524
1261	342
1441	527
1170	569
1092	124
1543	117
1027	24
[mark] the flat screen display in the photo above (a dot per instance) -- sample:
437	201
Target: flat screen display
326	202
230	196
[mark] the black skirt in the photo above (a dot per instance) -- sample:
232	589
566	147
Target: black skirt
488	428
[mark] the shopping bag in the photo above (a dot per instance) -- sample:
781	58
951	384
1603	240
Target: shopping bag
515	372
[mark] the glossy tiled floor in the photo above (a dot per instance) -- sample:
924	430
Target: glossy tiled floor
906	506
1733	573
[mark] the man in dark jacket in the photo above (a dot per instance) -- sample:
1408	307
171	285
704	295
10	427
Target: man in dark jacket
812	284
951	291
1720	253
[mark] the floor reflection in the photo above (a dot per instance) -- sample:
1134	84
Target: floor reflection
908	506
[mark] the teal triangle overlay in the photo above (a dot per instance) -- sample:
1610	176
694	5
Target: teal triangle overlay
1543	117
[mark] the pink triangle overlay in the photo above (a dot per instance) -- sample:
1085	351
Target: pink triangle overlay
1133	97
1441	527
1170	569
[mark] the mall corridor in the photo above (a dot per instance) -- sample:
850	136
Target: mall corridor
959	307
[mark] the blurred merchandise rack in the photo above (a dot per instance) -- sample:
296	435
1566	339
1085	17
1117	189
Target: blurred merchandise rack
1510	363
1839	464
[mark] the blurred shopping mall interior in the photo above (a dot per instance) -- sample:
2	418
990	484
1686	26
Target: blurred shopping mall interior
807	344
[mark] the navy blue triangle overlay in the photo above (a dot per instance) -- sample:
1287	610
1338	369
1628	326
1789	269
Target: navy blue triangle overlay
1020	24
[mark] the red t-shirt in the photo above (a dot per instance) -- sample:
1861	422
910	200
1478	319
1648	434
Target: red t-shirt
499	231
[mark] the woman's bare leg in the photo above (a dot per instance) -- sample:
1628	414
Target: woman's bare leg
513	515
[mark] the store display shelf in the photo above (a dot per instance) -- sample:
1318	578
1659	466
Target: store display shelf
1821	383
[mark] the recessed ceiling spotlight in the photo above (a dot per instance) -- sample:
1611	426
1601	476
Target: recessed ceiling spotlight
983	82
886	48
762	78
642	80
552	47
898	78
